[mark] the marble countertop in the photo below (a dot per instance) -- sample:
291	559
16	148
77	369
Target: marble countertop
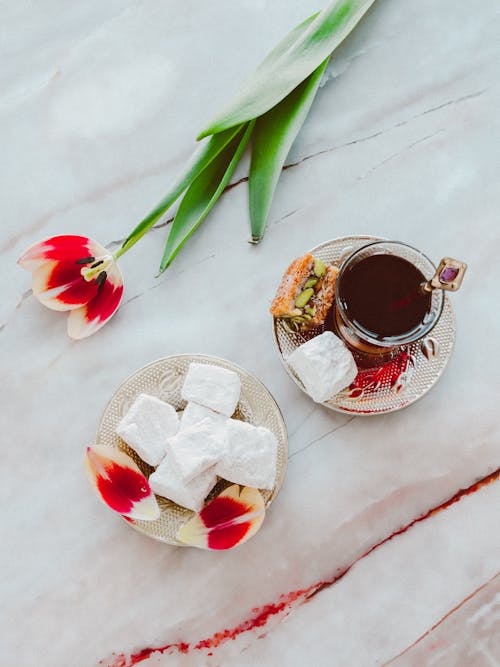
383	546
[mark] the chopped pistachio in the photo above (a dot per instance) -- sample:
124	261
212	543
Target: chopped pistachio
304	297
319	268
310	282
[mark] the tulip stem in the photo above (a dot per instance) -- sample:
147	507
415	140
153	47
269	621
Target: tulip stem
201	158
143	227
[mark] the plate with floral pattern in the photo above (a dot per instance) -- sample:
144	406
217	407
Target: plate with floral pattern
390	386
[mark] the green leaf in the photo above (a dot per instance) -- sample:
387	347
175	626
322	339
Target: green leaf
202	194
294	59
272	139
200	159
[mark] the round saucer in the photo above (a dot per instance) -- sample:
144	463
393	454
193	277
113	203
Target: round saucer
164	378
388	387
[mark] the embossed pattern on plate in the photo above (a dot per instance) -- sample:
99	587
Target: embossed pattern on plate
164	378
394	385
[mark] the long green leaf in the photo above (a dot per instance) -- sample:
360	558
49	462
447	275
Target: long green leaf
200	159
294	59
272	139
202	194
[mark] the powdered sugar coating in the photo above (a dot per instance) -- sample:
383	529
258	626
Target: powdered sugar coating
324	365
166	482
250	457
194	414
196	448
213	387
147	426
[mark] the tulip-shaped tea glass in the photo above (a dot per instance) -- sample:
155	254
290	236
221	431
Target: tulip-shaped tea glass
388	295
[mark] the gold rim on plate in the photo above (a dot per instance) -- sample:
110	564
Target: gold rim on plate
164	378
385	388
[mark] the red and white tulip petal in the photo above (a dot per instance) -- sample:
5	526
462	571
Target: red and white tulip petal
120	484
61	286
226	521
56	264
88	319
68	248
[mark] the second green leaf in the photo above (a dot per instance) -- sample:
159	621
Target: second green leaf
272	138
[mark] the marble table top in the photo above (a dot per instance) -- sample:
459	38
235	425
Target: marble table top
383	546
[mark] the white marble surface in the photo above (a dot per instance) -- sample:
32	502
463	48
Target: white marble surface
99	105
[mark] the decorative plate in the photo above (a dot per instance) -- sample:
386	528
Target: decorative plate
393	385
164	378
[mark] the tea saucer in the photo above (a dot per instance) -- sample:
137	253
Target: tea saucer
388	387
164	378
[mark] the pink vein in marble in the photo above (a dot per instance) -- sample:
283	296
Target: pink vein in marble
285	604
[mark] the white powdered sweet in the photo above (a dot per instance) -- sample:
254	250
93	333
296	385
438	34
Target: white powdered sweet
324	365
214	387
251	455
147	426
194	414
165	481
196	448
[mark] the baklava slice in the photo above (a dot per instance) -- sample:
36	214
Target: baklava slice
306	292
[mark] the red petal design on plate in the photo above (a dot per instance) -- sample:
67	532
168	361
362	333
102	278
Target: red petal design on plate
372	379
226	521
90	318
119	483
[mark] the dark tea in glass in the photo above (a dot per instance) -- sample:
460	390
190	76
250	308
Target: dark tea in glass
381	303
383	295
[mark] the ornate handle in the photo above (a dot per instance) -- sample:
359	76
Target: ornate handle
448	276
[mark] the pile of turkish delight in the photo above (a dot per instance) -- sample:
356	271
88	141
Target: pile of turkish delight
190	453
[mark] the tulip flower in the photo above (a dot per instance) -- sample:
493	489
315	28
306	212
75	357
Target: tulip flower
233	517
76	274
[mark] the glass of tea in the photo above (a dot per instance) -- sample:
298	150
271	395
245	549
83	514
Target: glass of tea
388	295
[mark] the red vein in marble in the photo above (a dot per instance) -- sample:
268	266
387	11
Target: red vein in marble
282	608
